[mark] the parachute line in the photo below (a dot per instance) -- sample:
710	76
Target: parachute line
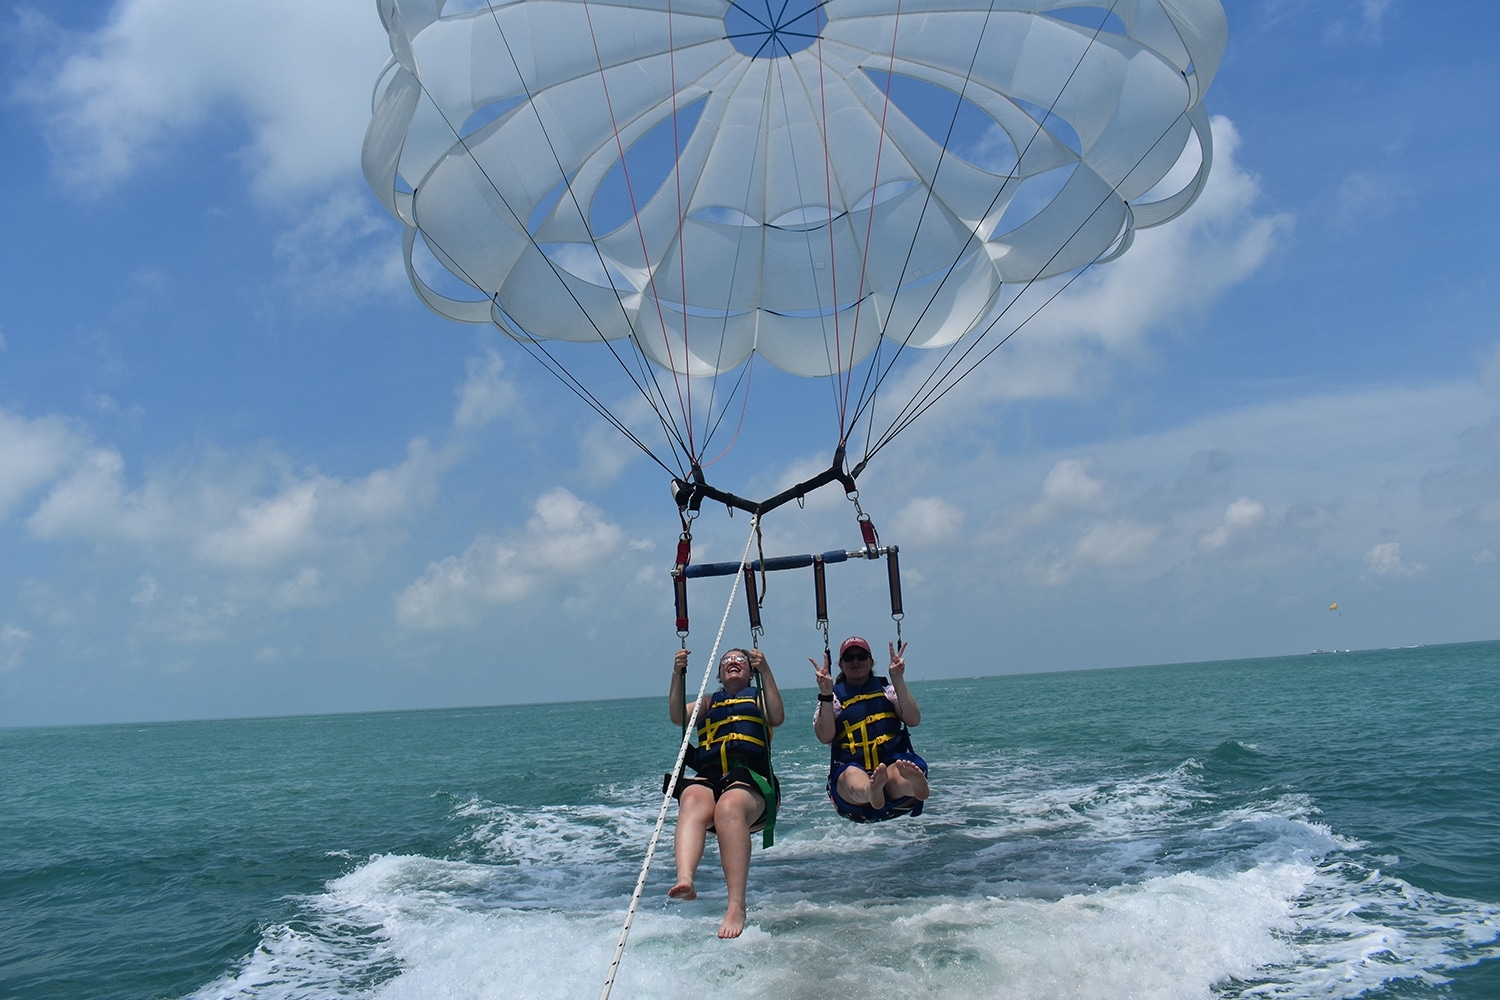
934	388
963	284
666	799
920	403
657	399
685	405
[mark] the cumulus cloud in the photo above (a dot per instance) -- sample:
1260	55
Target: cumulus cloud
32	454
1385	560
927	521
1070	486
1173	272
310	513
92	501
1176	268
300	74
341	248
268	531
486	394
564	537
1239	517
1113	544
1422	459
220	515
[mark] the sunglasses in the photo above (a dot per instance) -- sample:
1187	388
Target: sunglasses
854	656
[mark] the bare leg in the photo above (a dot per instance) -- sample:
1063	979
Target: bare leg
861	789
906	779
736	810
878	781
695	810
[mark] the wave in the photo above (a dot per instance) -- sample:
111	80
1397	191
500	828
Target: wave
1023	880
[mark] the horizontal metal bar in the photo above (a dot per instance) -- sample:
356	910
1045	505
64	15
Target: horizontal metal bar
780	562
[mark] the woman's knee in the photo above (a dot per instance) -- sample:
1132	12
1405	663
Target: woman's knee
696	801
738	805
854	784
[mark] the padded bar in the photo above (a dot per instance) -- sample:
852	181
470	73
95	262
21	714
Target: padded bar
773	563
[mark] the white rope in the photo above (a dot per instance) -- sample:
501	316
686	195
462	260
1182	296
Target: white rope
661	816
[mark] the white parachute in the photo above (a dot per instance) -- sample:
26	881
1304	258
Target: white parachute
714	180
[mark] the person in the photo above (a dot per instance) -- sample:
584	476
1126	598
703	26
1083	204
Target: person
735	792
874	773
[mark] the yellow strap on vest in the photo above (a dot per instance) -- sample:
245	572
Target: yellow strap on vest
856	738
709	738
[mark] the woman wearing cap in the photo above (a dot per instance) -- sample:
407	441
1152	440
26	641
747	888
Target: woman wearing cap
735	793
874	774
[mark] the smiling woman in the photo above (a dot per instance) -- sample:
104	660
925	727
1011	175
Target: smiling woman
735	792
874	773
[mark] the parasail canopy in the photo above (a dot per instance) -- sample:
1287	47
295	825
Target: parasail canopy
697	183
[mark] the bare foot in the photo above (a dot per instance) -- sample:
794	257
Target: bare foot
913	781
683	890
734	922
877	786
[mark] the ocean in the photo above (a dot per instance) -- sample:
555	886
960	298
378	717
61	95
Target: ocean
1316	826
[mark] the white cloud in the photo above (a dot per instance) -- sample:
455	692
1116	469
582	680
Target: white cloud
1177	268
310	514
927	521
300	73
486	395
91	501
268	531
1118	543
1385	560
1282	495
1366	22
219	514
191	619
343	249
1239	517
301	591
13	643
1171	274
32	454
564	537
1070	487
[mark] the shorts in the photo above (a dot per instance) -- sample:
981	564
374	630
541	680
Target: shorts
868	814
769	790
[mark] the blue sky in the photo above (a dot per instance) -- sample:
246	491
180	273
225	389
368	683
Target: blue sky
243	471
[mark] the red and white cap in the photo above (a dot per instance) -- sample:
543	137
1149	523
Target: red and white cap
853	642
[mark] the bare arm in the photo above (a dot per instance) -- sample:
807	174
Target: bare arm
676	694
824	724
775	710
906	704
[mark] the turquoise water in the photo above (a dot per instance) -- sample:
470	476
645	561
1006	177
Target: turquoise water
1311	826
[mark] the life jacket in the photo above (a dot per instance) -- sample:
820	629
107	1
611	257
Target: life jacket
869	730
733	732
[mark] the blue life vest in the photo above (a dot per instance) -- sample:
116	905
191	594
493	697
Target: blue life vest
733	733
869	730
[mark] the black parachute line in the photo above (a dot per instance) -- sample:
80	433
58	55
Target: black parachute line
928	288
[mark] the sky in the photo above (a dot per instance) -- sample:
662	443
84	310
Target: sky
243	471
